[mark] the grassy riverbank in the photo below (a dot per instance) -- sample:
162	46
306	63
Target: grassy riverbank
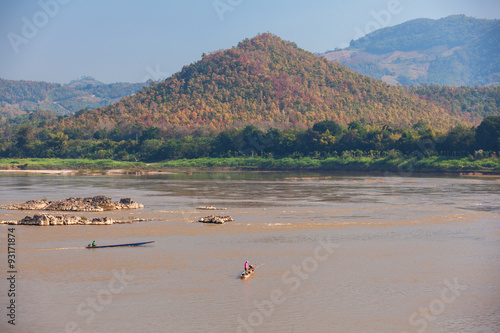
387	164
65	164
402	165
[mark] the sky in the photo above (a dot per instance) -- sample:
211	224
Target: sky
134	41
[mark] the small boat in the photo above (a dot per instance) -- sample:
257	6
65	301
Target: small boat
244	276
118	245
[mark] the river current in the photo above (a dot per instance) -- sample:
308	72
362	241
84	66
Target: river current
334	253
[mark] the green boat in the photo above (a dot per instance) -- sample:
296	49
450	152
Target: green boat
118	245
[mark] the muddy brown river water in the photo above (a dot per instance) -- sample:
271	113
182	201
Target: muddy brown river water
334	253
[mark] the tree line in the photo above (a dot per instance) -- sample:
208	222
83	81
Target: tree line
324	139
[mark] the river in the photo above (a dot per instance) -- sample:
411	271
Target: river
334	253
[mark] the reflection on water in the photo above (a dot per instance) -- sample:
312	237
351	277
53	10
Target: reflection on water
399	239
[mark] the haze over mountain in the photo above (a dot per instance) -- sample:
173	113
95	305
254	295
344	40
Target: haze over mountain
456	50
21	97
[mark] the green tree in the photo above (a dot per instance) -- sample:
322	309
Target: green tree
328	125
488	134
251	140
354	125
459	140
57	144
24	141
150	133
222	143
421	126
274	137
150	150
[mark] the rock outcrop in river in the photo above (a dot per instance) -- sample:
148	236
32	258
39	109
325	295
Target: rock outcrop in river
210	208
98	203
48	219
216	219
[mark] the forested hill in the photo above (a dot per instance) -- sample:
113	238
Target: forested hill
456	50
474	103
264	80
22	97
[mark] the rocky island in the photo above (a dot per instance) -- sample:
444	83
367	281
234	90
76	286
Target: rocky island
98	203
216	219
210	208
49	220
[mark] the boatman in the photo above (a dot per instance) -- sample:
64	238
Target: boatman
247	267
93	243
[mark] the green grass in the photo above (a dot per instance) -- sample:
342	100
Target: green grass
402	165
61	164
387	164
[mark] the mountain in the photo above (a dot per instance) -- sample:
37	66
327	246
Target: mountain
84	81
455	51
22	97
264	81
474	103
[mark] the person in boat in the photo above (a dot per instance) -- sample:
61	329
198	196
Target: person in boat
93	243
247	267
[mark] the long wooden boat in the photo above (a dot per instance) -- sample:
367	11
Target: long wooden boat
244	276
117	245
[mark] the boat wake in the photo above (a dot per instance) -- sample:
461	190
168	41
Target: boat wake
56	248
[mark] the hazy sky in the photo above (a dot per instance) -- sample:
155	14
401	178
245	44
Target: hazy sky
132	40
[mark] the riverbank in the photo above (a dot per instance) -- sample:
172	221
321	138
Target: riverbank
399	165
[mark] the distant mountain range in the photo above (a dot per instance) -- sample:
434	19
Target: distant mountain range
264	81
269	82
21	97
454	51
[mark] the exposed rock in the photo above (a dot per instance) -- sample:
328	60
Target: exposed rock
36	204
210	208
98	203
49	220
103	220
216	219
126	201
9	222
206	208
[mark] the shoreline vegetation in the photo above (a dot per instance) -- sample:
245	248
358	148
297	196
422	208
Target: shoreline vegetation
397	165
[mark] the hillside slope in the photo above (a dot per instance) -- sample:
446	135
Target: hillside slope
455	51
474	103
268	81
22	97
